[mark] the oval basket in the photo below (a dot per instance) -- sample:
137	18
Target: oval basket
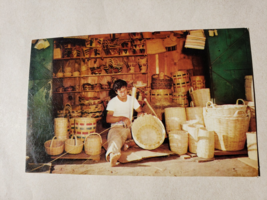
157	83
54	147
148	132
93	144
178	141
73	145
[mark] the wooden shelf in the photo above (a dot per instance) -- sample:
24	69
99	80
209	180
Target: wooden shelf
66	92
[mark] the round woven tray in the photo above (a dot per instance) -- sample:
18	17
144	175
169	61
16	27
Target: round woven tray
148	132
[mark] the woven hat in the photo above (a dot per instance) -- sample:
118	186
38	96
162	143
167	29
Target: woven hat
155	46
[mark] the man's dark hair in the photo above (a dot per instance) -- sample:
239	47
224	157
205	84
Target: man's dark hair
118	84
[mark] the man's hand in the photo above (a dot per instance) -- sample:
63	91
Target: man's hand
126	121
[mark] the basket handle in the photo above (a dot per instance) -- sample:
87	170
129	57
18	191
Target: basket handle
243	102
75	137
209	103
93	134
52	141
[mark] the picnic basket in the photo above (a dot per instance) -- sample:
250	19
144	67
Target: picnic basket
93	144
73	145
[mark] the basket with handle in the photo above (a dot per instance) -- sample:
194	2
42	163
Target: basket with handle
73	145
178	141
54	147
205	144
161	83
93	144
193	136
174	117
200	97
194	113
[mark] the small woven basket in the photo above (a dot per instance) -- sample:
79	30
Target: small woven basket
174	117
193	136
252	145
93	144
158	83
54	147
178	141
73	145
205	144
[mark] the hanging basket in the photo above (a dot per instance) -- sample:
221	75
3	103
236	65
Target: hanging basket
73	145
178	141
54	147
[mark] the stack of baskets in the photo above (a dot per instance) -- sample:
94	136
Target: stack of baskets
197	82
161	81
181	82
200	96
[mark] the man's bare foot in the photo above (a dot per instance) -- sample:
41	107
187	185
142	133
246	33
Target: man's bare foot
114	158
125	147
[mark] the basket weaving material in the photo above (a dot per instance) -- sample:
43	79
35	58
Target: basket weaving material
73	145
252	145
84	126
61	128
181	82
180	99
178	141
197	82
161	96
193	136
200	97
93	144
158	83
54	146
174	117
148	132
194	113
230	131
205	144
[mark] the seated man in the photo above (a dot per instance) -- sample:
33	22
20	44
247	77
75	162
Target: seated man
118	114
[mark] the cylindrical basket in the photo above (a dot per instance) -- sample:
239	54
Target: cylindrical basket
180	99
181	82
194	113
197	82
84	126
200	97
193	136
161	96
205	144
174	117
93	144
252	145
54	146
73	145
158	83
61	128
178	141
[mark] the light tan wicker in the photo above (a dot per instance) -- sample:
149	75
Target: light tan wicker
54	146
252	145
197	82
148	132
174	117
93	144
200	97
249	87
194	113
73	145
193	136
61	128
180	98
84	126
178	141
205	144
181	82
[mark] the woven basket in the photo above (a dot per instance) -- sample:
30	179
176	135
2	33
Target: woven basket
197	82
205	144
252	122
84	126
158	83
194	113
72	126
252	145
180	99
178	141
230	131
249	88
93	144
161	96
185	124
174	117
148	132
181	82
54	146
200	97
193	136
61	128
73	145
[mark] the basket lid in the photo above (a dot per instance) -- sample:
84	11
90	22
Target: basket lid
148	132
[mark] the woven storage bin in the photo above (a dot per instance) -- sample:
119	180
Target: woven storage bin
205	144
54	146
93	144
230	131
178	141
249	88
161	83
200	97
61	128
161	96
180	99
197	82
252	145
73	145
174	117
84	126
148	132
181	82
194	113
193	136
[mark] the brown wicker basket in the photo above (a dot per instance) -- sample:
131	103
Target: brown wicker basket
54	147
161	96
197	82
158	83
200	97
73	145
181	82
180	98
205	144
93	144
178	141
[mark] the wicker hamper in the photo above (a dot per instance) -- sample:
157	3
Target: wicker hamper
61	128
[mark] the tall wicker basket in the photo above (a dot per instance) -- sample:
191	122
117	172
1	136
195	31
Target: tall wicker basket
61	128
194	113
193	136
178	141
174	117
205	144
181	82
200	97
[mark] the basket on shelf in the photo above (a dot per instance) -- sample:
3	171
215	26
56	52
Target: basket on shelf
54	146
174	117
73	145
93	144
205	144
161	83
148	132
61	128
200	97
178	141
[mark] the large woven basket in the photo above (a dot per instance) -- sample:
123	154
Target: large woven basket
252	145
161	83
54	146
178	141
181	82
180	98
174	117
205	144
61	128
193	136
161	96
73	145
200	97
230	131
148	132
84	126
93	144
197	82
194	113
